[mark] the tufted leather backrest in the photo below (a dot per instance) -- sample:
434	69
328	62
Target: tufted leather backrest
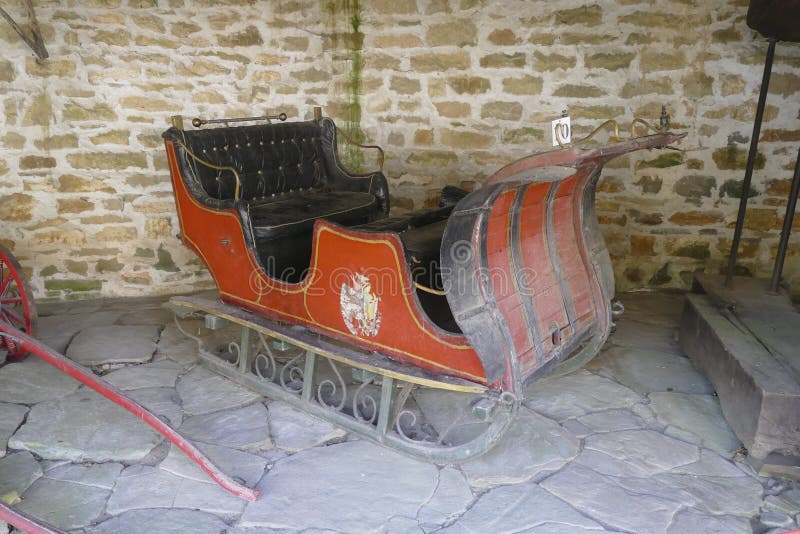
269	158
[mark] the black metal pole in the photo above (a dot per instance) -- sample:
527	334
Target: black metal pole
751	161
791	205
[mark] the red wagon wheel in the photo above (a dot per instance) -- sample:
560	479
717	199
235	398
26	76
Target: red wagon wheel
16	304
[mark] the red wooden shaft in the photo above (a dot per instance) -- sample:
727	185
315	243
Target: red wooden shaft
25	523
118	397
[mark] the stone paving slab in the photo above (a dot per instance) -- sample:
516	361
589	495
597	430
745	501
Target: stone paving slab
152	316
532	446
577	394
71	496
636	453
451	498
161	521
164	402
716	494
603	499
371	485
652	307
176	346
11	415
101	345
691	521
33	380
240	465
84	426
162	373
646	370
141	486
239	428
640	335
205	392
695	418
17	472
519	508
58	330
293	430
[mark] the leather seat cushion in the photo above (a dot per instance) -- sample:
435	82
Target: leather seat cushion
423	243
294	213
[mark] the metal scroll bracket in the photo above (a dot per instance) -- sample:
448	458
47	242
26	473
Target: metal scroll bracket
35	42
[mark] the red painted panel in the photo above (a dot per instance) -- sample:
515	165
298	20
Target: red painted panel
569	243
501	272
338	255
547	298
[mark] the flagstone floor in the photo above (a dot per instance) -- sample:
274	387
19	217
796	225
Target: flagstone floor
634	443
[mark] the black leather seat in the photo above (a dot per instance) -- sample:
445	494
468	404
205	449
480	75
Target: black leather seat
295	213
289	175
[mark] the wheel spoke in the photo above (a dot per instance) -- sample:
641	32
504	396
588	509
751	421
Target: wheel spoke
4	285
14	317
11	300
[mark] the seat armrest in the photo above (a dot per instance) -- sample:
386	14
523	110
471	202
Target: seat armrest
341	179
374	183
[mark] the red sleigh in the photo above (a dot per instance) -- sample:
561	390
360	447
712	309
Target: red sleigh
490	290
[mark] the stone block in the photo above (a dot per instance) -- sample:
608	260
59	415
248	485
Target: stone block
502	110
525	85
471	85
453	110
434	158
500	61
758	392
57	142
454	33
589	15
405	40
112	37
74	205
524	135
404	86
570	90
542	61
99	112
613	61
63	68
661	86
643	245
250	36
17	207
504	37
465	139
695	218
107	160
394	7
652	60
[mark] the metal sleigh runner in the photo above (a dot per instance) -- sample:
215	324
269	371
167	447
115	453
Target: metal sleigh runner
354	314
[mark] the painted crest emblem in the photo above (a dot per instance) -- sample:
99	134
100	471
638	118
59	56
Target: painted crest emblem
360	306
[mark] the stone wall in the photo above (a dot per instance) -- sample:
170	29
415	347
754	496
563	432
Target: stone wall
452	89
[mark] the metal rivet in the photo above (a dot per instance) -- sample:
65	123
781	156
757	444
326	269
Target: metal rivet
261	143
